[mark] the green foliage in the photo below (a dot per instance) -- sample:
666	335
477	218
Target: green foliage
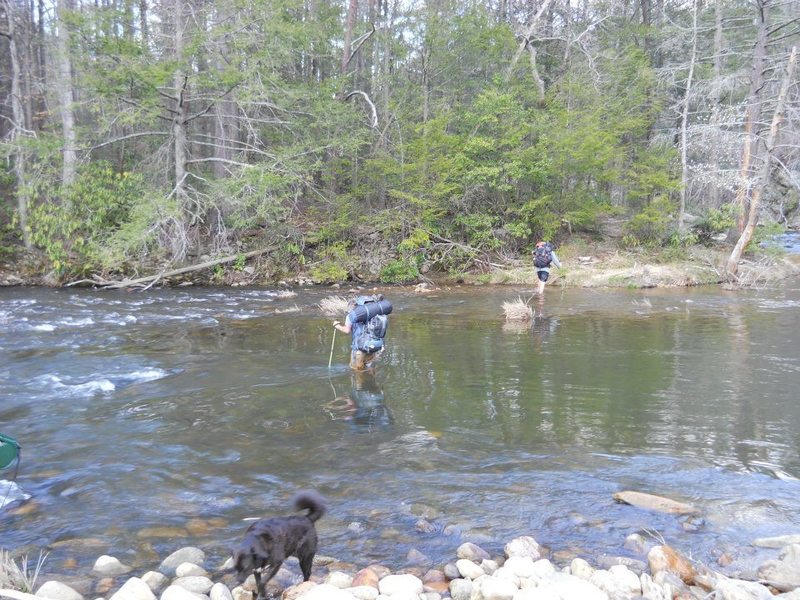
73	233
649	227
333	265
400	271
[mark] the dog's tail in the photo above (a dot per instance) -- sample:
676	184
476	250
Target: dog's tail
311	501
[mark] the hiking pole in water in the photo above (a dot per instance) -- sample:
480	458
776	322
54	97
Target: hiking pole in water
332	342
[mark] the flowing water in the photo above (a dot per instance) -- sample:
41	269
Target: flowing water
151	421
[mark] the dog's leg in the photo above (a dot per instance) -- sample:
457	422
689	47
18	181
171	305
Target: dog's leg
262	594
305	565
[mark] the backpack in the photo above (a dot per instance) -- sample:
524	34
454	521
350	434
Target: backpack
543	256
370	339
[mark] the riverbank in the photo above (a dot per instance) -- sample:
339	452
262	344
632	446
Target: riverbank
525	571
584	265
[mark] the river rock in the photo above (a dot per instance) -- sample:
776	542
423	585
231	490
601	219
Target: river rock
366	577
189	554
654	591
468	569
523	546
325	591
109	566
461	589
664	558
783	574
451	571
795	595
618	582
57	591
737	589
188	569
339	579
473	552
363	592
777	541
134	589
563	585
220	591
195	584
494	588
176	592
415	557
296	591
155	580
392	584
656	503
582	569
15	595
520	566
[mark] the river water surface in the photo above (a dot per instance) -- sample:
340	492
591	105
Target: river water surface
151	421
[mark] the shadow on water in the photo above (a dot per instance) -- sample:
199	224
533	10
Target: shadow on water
156	421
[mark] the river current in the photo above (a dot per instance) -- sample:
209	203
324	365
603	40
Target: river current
154	420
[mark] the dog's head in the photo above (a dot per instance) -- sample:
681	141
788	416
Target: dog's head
244	563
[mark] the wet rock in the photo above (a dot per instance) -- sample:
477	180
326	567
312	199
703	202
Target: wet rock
737	589
606	561
425	526
134	589
365	577
55	590
523	546
188	554
451	571
655	503
637	543
109	566
415	557
296	591
433	575
777	541
104	585
473	552
664	558
783	574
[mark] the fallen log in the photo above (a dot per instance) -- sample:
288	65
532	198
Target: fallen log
116	285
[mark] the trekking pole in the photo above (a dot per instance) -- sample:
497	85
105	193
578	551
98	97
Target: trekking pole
332	342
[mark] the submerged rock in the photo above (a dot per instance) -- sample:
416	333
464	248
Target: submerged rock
656	503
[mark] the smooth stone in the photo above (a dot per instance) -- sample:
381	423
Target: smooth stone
392	584
339	579
461	589
470	551
188	554
134	589
655	503
188	569
363	592
55	590
468	569
110	566
778	541
783	574
176	592
155	580
195	584
220	591
523	546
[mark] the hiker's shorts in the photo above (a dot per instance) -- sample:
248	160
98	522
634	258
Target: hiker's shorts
543	275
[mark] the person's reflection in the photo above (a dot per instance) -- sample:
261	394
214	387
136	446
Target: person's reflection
365	409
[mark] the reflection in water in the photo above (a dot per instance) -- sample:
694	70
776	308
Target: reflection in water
364	408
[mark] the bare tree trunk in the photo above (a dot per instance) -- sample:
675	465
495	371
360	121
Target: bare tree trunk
685	122
753	111
715	101
18	127
766	167
143	24
352	10
65	97
526	38
179	134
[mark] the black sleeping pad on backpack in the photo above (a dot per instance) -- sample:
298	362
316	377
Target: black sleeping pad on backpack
364	312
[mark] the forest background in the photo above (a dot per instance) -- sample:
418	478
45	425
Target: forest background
387	139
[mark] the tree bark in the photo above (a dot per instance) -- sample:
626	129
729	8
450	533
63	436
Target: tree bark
66	97
18	127
685	122
753	112
766	167
352	10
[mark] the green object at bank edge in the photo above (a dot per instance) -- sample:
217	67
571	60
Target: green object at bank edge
9	450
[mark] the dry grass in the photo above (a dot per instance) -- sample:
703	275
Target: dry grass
333	306
20	577
518	310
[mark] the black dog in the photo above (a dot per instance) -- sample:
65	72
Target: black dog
268	542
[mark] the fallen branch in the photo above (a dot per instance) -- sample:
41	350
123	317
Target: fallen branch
116	285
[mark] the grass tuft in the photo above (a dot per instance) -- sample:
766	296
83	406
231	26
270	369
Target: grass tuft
333	306
20	577
518	310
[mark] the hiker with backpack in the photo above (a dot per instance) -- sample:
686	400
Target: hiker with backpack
543	257
367	322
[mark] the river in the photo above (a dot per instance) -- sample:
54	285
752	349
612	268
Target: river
155	420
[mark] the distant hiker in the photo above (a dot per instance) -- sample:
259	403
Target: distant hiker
367	322
543	257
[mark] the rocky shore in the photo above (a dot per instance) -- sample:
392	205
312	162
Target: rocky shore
523	572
